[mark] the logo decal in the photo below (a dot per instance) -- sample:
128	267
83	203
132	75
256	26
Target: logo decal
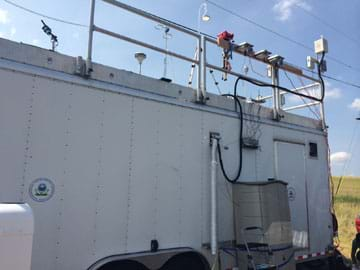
291	194
41	189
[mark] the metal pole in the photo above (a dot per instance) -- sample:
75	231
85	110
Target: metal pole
213	228
199	59
301	106
322	115
276	93
202	52
143	44
91	35
152	17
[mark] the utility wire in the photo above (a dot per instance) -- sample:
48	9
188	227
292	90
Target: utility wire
303	100
342	81
45	16
209	1
339	31
348	161
329	77
265	28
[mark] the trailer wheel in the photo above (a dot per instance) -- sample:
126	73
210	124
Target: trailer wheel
188	261
314	265
123	265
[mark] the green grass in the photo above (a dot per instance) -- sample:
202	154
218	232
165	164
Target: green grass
347	199
347	206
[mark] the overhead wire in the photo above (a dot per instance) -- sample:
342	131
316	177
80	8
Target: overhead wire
328	77
193	30
316	108
356	41
347	162
45	16
268	29
303	100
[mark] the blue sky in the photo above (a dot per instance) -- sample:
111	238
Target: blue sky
288	17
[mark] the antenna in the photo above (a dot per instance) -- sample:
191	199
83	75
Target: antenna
53	38
166	37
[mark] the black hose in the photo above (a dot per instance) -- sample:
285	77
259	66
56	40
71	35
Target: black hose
235	179
263	84
237	102
321	78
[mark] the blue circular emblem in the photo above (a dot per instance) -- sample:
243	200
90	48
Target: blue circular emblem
291	193
41	189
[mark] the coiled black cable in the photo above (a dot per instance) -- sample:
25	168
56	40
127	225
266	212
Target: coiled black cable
237	102
227	177
321	78
263	84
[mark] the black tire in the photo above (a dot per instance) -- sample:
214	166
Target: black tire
123	265
187	260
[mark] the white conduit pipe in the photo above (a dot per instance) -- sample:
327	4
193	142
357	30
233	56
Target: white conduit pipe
214	144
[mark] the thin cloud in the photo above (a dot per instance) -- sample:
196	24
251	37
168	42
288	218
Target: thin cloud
332	92
4	16
355	104
12	31
339	157
35	42
285	8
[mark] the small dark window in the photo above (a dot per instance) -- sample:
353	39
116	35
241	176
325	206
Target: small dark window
313	151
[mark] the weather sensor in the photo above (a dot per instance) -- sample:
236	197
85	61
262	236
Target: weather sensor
245	48
53	38
321	46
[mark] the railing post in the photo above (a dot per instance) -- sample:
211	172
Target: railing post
198	88
201	91
322	116
276	93
90	41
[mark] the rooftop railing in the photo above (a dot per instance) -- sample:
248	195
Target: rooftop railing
275	62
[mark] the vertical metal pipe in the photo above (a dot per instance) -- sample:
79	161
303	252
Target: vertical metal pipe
213	229
198	91
202	68
91	35
276	93
322	115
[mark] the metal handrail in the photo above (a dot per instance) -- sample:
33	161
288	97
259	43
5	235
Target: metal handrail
201	58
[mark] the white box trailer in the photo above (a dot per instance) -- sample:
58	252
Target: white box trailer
16	236
116	167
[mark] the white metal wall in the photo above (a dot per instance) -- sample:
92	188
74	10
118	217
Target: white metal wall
127	170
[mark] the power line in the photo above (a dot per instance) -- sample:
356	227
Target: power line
348	161
339	31
209	1
333	78
342	81
268	29
303	100
45	16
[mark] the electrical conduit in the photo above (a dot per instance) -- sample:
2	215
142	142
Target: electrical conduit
214	145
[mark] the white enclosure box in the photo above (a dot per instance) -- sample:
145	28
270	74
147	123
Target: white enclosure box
321	46
16	235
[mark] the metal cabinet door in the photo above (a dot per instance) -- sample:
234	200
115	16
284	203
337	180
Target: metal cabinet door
290	167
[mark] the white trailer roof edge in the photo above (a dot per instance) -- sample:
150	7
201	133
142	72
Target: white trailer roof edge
41	62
